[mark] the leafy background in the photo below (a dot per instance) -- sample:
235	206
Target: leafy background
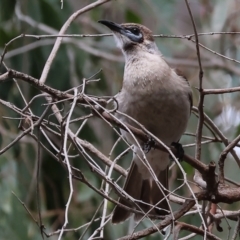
80	58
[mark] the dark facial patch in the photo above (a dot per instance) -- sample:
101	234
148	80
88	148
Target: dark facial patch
137	34
146	33
134	34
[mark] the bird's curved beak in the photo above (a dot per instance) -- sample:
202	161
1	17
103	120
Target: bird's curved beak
113	26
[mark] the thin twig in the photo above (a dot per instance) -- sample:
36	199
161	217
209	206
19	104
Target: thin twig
68	163
62	31
236	230
224	155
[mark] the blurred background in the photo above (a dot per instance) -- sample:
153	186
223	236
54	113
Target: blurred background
80	58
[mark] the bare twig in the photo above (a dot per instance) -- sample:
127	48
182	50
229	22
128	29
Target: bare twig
68	163
187	206
236	230
198	231
224	155
62	31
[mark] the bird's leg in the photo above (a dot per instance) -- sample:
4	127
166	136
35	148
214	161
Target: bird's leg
180	151
148	145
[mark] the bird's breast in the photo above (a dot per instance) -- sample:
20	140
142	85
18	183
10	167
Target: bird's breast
158	102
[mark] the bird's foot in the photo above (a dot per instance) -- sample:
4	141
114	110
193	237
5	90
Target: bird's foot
148	145
180	152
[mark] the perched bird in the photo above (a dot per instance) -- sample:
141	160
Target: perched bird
160	99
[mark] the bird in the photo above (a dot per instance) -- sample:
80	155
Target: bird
160	99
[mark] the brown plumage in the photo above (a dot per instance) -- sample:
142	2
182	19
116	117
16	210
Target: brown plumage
158	98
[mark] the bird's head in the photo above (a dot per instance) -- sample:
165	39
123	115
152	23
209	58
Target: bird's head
132	37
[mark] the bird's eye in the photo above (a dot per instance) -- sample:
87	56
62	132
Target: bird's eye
135	31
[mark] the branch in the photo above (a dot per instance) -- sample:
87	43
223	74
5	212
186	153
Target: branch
42	87
199	231
201	95
224	155
221	91
164	223
62	31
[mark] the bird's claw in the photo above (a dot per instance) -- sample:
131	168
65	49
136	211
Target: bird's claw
180	152
148	145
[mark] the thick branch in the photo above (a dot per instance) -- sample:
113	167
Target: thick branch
53	92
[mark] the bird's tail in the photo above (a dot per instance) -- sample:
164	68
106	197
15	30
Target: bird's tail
146	191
